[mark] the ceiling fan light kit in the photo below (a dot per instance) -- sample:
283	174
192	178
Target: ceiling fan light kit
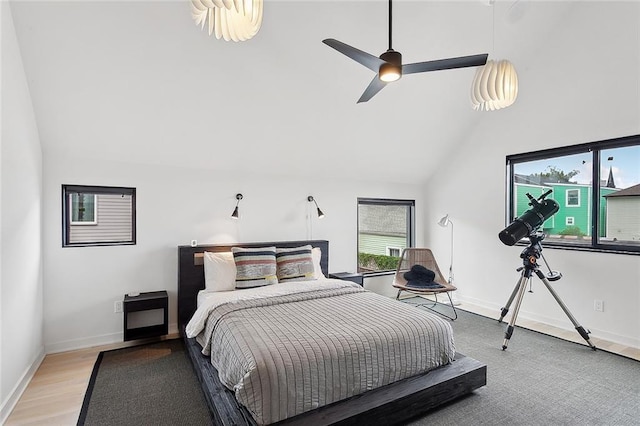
236	20
494	86
388	67
391	70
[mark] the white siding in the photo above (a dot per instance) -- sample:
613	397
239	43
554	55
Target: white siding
623	218
114	221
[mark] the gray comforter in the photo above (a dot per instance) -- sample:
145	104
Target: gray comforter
292	353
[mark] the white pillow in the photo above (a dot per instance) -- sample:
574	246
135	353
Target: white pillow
316	253
219	271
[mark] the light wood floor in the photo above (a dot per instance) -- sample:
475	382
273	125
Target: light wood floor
54	395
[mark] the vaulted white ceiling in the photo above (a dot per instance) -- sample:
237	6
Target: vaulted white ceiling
139	82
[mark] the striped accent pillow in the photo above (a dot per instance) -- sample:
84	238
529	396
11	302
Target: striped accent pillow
255	267
295	264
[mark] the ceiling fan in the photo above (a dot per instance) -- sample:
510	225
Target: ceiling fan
388	67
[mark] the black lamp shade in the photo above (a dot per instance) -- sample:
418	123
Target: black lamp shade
234	215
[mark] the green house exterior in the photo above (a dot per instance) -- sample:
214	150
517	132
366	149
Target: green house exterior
574	201
384	245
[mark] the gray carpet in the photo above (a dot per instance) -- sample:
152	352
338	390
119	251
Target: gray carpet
538	380
151	384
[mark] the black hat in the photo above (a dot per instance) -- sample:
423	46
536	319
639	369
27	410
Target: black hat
419	276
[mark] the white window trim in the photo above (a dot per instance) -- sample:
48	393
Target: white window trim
389	248
95	212
567	198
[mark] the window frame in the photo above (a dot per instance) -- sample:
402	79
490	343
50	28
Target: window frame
83	223
567	197
411	231
594	148
389	249
67	190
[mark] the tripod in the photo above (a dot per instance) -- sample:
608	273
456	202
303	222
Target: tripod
530	257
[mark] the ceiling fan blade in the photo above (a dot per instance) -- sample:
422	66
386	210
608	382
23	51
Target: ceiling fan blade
445	64
374	87
364	58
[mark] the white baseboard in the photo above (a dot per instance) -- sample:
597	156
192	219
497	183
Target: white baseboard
492	310
105	339
8	405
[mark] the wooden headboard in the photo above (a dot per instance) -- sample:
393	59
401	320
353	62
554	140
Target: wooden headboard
191	270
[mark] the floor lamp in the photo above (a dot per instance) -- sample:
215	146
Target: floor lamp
444	222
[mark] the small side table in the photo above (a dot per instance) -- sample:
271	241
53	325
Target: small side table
146	302
348	276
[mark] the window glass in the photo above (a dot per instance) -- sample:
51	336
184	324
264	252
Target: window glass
620	196
394	251
568	177
98	215
596	186
83	209
385	228
573	198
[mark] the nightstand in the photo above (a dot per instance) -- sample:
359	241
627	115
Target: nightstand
146	302
349	276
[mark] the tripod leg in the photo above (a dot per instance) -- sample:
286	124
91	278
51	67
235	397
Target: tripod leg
584	333
505	310
521	287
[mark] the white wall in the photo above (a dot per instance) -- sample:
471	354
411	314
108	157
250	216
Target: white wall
598	101
21	283
174	206
593	97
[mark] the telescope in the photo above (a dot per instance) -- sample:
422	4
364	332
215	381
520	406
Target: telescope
526	224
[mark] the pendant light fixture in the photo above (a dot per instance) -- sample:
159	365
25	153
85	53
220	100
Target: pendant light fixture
236	20
495	85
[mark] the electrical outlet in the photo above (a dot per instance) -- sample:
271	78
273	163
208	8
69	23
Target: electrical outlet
598	305
117	307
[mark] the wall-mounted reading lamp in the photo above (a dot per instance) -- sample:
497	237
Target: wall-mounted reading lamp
234	215
320	214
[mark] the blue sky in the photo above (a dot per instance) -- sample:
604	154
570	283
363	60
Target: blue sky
625	163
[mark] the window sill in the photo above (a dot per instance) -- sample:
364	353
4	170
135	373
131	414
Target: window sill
591	248
377	274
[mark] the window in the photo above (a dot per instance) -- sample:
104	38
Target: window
597	187
573	198
83	209
98	215
385	228
393	251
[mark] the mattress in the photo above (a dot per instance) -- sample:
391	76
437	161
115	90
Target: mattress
288	348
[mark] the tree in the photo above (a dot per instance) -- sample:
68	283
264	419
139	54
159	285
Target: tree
554	175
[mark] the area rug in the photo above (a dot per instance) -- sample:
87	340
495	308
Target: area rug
151	384
538	380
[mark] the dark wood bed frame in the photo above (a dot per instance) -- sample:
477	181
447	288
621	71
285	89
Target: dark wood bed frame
391	404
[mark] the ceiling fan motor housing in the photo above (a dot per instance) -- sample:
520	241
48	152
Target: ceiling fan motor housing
391	70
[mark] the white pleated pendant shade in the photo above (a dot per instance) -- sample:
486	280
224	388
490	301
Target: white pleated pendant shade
236	20
494	86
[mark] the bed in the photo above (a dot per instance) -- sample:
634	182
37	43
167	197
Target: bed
385	397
